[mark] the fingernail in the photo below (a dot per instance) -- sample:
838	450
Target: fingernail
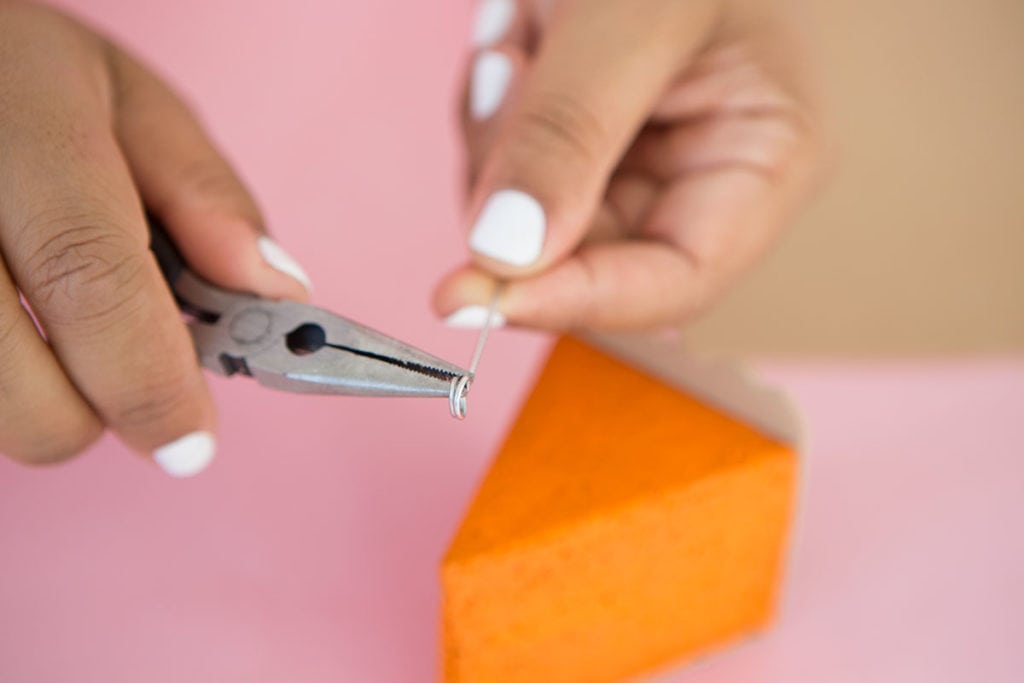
473	318
187	456
493	19
279	259
492	72
510	228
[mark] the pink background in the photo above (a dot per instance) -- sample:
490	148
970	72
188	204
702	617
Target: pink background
309	551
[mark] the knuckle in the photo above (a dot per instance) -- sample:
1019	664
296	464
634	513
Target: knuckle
153	402
78	268
560	124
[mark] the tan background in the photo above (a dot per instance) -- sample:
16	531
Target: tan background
917	246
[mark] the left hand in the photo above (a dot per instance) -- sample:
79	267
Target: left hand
89	136
628	160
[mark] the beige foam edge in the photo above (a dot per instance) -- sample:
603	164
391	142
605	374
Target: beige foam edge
726	383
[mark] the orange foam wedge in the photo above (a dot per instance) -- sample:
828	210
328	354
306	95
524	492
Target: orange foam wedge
622	526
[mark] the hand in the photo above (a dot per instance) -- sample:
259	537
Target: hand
88	136
628	159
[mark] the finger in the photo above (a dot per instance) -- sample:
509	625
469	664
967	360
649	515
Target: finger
499	22
185	181
584	100
732	181
762	141
75	239
43	418
501	42
608	286
726	218
463	296
491	88
699	234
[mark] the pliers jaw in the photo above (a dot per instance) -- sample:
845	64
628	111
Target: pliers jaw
301	348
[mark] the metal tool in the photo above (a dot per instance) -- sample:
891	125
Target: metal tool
298	347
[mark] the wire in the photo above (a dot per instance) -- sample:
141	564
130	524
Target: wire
460	385
482	339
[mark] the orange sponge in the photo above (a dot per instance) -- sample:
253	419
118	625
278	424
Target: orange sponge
623	525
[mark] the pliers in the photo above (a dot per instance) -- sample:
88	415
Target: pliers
298	347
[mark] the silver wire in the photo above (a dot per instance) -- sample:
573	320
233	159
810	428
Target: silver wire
457	397
460	385
482	339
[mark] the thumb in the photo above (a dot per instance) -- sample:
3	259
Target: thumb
194	191
598	73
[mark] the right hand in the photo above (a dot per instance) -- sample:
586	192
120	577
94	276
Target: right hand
630	160
88	136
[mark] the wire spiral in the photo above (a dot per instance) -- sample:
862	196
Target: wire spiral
457	396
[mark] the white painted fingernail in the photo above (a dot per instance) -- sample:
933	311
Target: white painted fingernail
492	72
473	318
510	228
279	259
187	456
493	20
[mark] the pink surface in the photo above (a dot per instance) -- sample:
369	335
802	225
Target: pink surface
308	552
